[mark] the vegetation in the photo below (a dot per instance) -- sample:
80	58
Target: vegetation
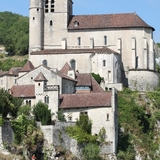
9	104
60	115
158	45
14	33
42	113
8	63
97	77
137	125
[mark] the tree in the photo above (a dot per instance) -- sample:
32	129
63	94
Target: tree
42	113
97	77
9	104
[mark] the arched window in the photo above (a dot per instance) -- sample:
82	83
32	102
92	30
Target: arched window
46	99
79	41
73	64
44	62
104	63
51	23
105	40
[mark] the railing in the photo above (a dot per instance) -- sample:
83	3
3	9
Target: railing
51	88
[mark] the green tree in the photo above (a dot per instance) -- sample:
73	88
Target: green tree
97	77
42	113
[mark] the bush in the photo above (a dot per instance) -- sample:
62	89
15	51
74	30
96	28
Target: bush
91	152
61	116
24	110
42	113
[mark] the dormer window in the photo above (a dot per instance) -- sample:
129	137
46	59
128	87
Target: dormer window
76	24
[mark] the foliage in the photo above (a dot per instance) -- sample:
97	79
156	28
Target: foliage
61	116
9	104
14	33
82	131
1	120
157	68
7	64
42	113
91	152
97	77
80	135
84	123
102	135
26	109
136	128
158	45
25	131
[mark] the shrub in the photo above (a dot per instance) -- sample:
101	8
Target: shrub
91	152
24	110
61	116
42	113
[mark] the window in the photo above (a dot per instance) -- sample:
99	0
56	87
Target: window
73	64
28	102
69	116
79	41
33	18
52	5
104	63
107	117
46	6
39	84
45	63
105	40
37	9
136	62
51	23
46	99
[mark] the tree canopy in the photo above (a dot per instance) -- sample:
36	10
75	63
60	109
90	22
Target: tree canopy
14	33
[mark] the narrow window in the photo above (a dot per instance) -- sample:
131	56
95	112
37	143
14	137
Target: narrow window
137	62
33	18
46	6
39	84
105	40
26	102
29	103
104	63
73	64
46	99
37	9
51	23
52	5
79	41
107	117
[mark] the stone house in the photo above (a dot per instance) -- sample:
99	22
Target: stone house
73	92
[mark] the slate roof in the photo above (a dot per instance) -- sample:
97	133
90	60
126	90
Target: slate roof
86	100
27	67
74	51
107	21
24	91
40	77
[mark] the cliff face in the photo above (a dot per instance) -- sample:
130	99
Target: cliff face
139	117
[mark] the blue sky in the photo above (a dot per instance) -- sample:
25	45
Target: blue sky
148	10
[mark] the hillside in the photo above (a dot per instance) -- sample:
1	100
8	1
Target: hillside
14	33
139	117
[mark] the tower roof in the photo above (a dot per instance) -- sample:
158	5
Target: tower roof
27	67
40	77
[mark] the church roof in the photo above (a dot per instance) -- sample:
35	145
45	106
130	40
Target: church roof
86	100
23	91
101	21
74	51
65	68
27	67
40	77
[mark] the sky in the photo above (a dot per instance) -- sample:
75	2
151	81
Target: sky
148	10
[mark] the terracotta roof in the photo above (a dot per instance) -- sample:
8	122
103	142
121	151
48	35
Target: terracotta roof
40	77
23	91
87	79
65	68
27	67
83	79
15	70
65	76
74	51
123	20
86	100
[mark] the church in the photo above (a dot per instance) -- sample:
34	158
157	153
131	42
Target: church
118	47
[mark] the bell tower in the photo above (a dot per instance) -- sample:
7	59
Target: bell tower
56	18
36	11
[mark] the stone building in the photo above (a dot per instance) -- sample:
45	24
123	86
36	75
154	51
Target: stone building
73	92
88	43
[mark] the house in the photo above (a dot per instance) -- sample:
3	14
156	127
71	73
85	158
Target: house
73	92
